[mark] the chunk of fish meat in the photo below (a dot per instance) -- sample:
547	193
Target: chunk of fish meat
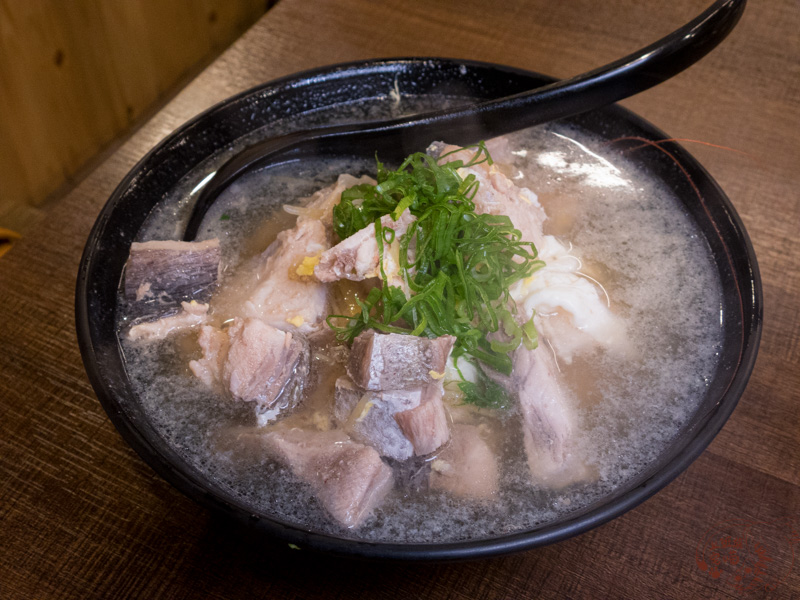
349	479
394	361
547	420
467	466
192	314
255	363
159	275
261	360
283	298
356	258
426	425
369	416
214	344
499	195
319	206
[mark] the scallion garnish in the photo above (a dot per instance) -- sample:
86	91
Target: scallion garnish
457	265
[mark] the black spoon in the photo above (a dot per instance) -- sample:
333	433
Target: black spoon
393	140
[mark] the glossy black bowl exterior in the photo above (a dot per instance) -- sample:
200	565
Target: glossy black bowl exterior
163	168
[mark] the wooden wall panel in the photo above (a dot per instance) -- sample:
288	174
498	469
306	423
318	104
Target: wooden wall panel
76	74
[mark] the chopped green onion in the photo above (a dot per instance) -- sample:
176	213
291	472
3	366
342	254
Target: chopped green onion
457	265
530	337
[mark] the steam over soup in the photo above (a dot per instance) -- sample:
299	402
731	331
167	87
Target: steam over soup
479	342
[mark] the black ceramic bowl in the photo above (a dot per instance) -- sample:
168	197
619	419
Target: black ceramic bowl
299	96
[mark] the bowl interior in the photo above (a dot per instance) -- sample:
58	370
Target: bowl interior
301	100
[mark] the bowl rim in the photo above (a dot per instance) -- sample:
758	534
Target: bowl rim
709	424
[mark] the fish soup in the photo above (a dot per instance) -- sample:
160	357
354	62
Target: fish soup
393	437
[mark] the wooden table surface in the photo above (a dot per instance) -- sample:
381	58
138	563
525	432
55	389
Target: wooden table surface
81	516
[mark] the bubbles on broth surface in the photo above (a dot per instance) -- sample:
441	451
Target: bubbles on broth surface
632	235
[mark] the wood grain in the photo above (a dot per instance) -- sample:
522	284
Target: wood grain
81	516
74	75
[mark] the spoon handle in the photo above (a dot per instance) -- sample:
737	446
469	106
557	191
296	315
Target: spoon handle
395	139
